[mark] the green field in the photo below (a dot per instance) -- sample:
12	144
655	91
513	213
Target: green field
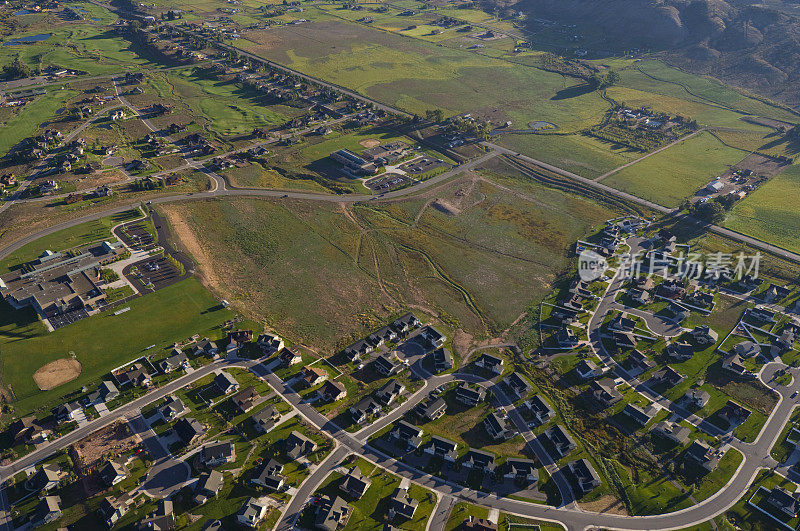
101	342
322	275
676	173
27	122
770	212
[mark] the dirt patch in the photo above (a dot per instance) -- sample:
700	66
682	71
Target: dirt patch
605	504
56	373
116	438
370	143
186	236
446	207
462	342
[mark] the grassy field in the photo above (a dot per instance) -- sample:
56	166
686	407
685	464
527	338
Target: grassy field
678	172
770	212
330	273
171	314
27	122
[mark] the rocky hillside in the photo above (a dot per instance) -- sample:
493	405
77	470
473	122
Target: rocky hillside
745	44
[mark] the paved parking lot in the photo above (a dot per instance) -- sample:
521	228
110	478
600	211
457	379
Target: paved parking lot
152	274
135	236
57	321
385	183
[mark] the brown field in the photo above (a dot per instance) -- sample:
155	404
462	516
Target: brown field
370	143
56	373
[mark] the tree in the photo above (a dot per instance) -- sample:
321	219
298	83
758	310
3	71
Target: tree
434	115
710	211
16	70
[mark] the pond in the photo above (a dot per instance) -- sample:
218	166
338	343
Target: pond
28	39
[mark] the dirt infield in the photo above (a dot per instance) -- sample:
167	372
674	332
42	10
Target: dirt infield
56	373
370	143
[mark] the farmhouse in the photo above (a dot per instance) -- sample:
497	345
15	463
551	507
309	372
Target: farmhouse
59	282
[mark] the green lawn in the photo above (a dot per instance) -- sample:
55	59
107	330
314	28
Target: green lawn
770	212
27	122
101	342
672	175
783	448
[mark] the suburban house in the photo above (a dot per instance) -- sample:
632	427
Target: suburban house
672	431
699	299
46	478
733	413
747	349
490	363
566	338
433	337
401	504
387	365
226	383
408	433
389	392
332	391
162	519
382	335
48	510
622	323
136	374
470	395
588	370
639	361
67	412
585	475
332	513
540	409
112	509
106	391
208	486
206	347
288	357
444	448
472	523
667	376
218	454
237	339
177	360
269	475
497	427
478	460
189	430
269	343
521	470
27	430
312	376
357	350
640	415
246	399
251	513
624	340
405	323
112	473
264	420
442	359
517	385
364	409
434	409
298	445
640	296
680	350
785	501
762	314
172	408
355	484
605	391
697	398
704	335
734	363
701	453
560	439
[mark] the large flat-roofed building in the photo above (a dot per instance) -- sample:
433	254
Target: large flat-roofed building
387	153
58	282
353	162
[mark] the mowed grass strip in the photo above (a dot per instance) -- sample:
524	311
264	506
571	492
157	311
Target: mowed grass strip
676	173
103	341
770	212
